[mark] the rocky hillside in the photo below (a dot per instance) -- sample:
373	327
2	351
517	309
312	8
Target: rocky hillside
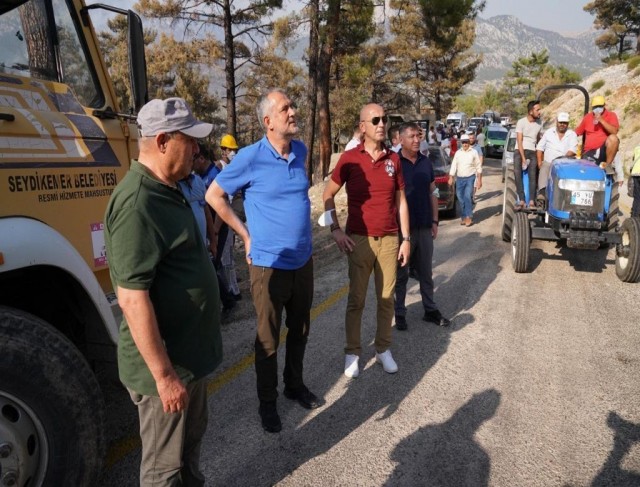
621	90
503	39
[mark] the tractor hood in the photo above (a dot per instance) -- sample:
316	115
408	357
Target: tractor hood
576	169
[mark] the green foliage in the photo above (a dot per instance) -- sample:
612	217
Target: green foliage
636	72
520	80
596	85
619	19
633	108
633	62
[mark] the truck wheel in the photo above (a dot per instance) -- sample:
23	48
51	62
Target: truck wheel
628	253
51	407
508	204
520	242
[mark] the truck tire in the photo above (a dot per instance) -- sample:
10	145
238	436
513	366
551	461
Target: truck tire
51	407
628	253
508	204
520	243
613	217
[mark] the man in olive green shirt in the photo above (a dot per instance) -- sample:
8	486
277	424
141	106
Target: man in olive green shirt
166	286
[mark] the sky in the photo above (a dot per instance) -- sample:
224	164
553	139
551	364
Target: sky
563	16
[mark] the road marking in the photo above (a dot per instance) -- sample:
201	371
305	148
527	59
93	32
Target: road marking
129	444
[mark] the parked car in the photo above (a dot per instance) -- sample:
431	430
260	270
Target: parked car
495	138
447	204
509	150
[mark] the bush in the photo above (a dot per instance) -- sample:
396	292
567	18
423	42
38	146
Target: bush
632	108
597	85
607	93
633	63
636	72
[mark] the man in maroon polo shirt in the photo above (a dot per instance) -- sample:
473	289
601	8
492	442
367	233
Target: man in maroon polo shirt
375	199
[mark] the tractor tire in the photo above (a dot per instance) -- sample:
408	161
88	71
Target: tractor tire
51	406
613	217
508	204
628	253
520	243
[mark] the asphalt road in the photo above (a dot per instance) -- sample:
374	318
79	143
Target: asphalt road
534	384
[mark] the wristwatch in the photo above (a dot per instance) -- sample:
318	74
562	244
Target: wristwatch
406	239
435	222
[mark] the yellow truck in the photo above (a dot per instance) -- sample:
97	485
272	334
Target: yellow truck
64	146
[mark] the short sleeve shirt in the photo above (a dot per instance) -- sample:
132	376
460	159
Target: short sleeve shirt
153	244
418	177
276	202
596	135
529	131
371	190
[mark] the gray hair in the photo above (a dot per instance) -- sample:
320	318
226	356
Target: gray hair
265	104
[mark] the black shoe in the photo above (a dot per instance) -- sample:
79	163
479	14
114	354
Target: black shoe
401	323
304	396
237	297
228	305
269	416
436	318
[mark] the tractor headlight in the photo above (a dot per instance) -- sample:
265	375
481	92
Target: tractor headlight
581	185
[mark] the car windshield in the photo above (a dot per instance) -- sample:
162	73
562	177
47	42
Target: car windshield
498	134
511	145
435	157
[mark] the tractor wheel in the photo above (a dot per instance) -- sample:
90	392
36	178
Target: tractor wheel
628	252
613	217
520	242
508	204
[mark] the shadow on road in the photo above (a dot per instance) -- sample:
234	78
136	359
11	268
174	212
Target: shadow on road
247	456
447	454
626	434
486	213
582	260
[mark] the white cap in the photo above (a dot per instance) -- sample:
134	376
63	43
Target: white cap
562	117
464	138
170	115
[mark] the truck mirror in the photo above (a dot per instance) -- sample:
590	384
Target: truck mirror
137	61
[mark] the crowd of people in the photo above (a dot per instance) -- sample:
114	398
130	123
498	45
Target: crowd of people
170	229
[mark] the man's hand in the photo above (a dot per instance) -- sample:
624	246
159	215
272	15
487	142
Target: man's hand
247	249
403	253
450	182
478	183
173	394
343	241
434	230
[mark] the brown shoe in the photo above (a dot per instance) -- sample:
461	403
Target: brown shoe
462	222
468	222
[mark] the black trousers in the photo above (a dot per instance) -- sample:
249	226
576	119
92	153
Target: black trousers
635	209
273	291
533	170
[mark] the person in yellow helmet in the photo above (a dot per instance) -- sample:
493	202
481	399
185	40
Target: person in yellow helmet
600	127
228	148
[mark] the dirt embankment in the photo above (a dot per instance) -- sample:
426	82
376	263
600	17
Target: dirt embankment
620	87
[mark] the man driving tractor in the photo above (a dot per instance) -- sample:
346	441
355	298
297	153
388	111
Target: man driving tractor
601	128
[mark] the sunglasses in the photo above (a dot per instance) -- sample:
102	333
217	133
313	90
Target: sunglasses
376	120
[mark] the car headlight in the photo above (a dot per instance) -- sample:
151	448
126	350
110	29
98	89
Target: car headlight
581	185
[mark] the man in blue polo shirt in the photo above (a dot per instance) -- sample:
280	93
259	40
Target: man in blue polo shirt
419	186
271	175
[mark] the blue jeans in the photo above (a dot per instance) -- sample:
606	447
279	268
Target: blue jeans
464	191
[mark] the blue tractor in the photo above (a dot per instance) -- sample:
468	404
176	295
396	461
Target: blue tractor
582	211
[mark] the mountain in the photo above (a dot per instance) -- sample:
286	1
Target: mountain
504	38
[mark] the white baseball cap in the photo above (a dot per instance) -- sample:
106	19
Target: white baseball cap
562	117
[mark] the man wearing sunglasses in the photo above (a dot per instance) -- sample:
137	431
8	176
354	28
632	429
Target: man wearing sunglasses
559	141
600	127
375	202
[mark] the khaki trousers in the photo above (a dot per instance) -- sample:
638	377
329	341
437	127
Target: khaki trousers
380	255
171	442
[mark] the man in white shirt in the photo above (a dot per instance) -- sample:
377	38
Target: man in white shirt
527	135
559	141
466	168
355	140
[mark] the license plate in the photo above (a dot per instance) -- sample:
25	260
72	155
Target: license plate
582	198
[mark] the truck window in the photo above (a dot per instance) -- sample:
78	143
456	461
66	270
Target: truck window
29	48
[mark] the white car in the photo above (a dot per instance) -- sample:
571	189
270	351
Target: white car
509	150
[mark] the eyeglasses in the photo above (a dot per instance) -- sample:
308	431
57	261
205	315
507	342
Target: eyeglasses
564	123
376	120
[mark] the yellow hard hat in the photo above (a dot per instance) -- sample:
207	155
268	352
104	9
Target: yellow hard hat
598	101
229	142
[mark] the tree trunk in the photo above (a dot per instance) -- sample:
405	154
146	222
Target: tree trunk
37	35
312	85
638	43
230	69
324	71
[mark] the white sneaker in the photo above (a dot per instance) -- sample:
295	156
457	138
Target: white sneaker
351	369
388	364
